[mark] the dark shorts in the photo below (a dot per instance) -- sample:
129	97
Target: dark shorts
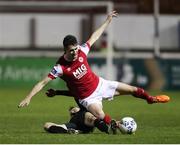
78	122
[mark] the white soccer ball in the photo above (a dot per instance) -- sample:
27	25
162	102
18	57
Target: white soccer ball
128	125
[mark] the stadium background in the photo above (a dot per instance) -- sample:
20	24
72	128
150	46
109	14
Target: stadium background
145	52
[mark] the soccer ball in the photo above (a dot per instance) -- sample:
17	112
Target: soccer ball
128	125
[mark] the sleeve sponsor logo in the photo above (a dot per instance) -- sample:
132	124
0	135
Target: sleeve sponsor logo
83	45
54	72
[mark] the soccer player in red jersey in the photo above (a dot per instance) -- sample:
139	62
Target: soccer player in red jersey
85	85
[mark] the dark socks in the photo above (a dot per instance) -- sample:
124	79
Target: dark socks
101	125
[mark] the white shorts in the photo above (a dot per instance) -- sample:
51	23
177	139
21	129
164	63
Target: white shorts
105	90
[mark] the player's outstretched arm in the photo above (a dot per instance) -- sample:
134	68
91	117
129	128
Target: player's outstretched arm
101	29
34	91
52	93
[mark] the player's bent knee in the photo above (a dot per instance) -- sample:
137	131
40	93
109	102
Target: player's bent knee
96	110
100	115
89	119
92	119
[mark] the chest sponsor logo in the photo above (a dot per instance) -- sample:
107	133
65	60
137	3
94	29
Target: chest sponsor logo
80	71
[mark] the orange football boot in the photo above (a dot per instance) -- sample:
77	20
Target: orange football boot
161	99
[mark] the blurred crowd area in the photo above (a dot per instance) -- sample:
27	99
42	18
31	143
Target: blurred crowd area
144	31
38	27
124	6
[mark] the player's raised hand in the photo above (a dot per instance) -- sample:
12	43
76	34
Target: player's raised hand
51	93
24	102
111	15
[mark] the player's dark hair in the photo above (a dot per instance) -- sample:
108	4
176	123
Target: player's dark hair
69	40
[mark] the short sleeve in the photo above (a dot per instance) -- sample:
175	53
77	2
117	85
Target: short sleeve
56	72
85	47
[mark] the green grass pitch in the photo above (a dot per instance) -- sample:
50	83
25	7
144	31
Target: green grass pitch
157	123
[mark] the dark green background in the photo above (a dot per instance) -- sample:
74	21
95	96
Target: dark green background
16	72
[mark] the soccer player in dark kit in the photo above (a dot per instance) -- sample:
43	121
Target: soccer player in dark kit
81	121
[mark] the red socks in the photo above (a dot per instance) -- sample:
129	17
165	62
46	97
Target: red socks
107	119
140	93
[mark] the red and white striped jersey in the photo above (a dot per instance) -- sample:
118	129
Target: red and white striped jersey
80	79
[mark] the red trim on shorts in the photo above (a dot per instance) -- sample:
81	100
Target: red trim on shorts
88	44
51	76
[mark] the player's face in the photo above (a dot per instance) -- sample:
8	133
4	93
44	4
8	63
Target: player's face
72	52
